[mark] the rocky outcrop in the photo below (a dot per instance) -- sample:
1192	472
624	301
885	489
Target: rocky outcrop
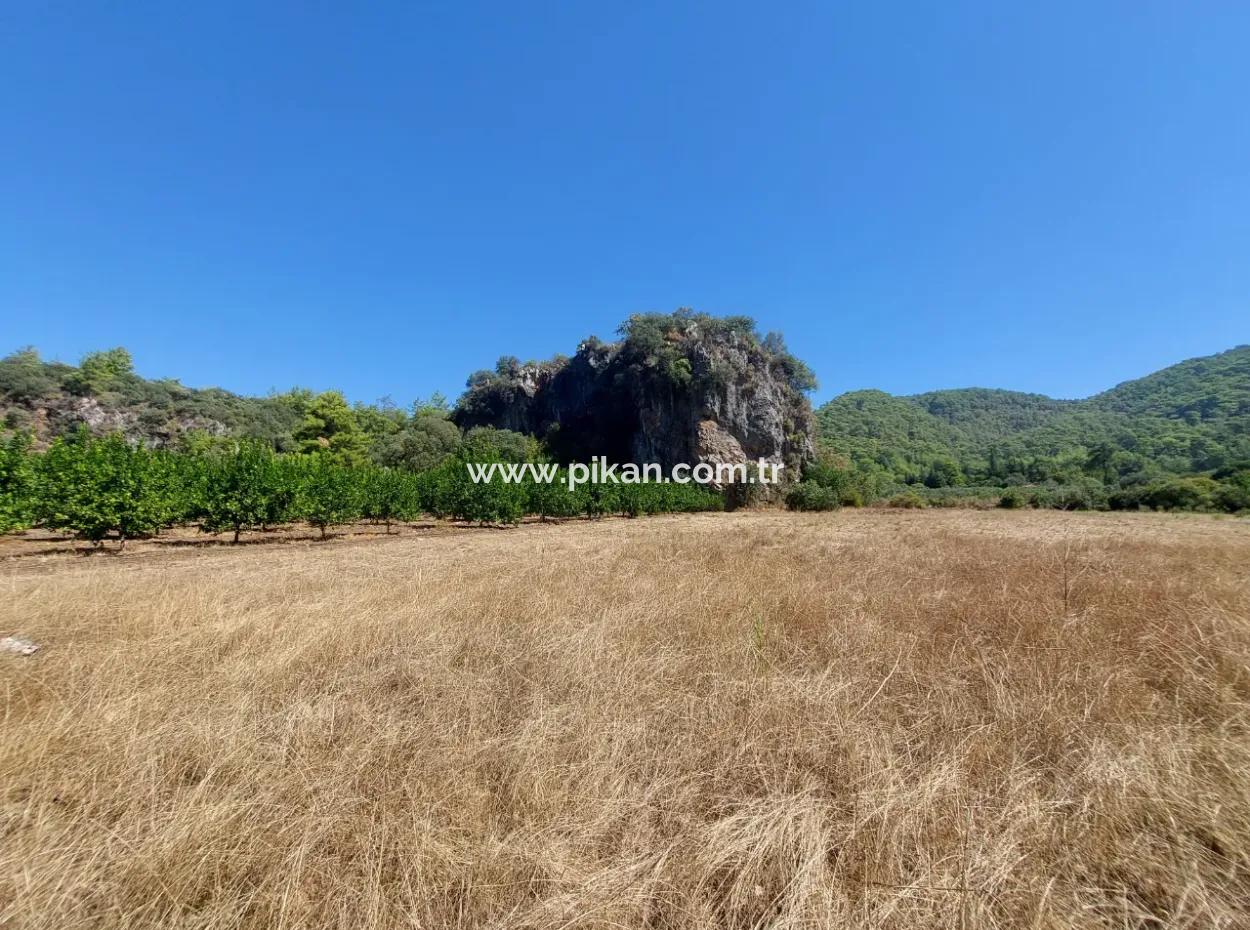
63	414
677	389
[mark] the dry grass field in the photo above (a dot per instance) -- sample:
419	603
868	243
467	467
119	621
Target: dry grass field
865	719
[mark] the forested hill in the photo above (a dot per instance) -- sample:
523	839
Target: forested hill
1211	388
1190	418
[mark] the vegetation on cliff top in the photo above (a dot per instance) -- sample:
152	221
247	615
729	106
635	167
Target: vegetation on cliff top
655	349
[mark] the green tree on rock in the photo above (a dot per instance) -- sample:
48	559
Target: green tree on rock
101	371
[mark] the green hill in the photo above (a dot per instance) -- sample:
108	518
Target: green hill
1207	389
1190	418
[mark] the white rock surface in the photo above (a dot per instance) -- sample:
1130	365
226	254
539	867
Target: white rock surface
18	646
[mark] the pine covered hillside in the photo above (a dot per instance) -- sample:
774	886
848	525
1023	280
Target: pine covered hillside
1190	418
1211	388
989	414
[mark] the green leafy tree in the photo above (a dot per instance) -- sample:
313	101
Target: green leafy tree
488	444
425	442
98	488
549	500
485	502
16	483
281	502
600	499
389	495
237	488
1193	493
1233	493
329	493
101	371
943	473
436	405
330	426
451	492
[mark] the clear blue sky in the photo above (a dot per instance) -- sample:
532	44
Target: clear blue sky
383	197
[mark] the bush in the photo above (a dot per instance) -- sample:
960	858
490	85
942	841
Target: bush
854	485
24	377
1042	497
908	500
810	496
1014	499
1085	494
1198	493
1233	494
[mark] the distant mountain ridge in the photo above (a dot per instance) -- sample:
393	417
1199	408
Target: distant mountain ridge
1190	417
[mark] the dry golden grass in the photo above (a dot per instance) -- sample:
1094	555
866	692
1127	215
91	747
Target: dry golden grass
748	720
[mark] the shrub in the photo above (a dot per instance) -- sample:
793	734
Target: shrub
908	500
1085	494
855	485
1042	497
1013	499
1197	493
1233	494
24	377
808	495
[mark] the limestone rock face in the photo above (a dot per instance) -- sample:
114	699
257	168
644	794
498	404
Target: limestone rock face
696	398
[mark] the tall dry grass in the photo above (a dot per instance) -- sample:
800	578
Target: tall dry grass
858	720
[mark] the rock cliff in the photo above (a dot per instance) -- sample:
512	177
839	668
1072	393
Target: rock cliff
677	388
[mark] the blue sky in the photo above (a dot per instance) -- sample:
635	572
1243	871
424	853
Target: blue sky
383	197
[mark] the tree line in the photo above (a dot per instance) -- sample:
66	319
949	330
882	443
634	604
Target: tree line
106	488
834	481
